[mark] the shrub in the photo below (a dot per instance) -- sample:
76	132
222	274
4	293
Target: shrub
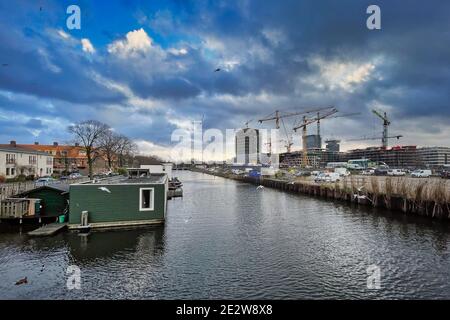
122	171
21	178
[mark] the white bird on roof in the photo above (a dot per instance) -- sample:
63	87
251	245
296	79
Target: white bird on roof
104	189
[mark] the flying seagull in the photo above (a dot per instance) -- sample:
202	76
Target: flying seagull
259	187
104	189
217	70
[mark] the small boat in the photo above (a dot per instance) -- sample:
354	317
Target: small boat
174	184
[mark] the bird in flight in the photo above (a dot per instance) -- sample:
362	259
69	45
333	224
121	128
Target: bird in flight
217	70
104	189
4	65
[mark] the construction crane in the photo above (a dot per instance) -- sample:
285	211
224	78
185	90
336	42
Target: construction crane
279	116
306	121
375	138
247	122
337	116
288	145
386	123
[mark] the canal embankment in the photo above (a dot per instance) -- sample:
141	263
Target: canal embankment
418	196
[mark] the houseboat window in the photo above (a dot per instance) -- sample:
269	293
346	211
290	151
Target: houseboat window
146	199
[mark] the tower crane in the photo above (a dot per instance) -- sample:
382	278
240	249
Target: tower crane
375	138
247	122
386	123
279	116
305	122
384	138
337	116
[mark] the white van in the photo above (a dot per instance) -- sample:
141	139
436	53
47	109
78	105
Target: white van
421	173
396	172
343	172
328	177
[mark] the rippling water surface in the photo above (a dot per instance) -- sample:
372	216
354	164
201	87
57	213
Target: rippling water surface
226	239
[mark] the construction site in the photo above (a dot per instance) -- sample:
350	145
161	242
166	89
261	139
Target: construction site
316	154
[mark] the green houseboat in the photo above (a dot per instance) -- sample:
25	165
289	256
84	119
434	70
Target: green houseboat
119	202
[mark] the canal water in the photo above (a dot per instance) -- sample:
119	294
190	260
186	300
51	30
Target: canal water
227	239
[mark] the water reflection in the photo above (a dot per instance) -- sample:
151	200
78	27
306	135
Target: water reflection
120	243
226	239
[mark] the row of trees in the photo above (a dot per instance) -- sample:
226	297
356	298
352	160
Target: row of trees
100	140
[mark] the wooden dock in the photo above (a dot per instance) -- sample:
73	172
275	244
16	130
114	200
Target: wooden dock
48	230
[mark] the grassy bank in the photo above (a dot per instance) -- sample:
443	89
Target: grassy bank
425	196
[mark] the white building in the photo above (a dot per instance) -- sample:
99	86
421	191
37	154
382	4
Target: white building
434	156
248	146
15	161
163	167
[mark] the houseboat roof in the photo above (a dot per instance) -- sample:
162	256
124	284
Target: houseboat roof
61	187
151	178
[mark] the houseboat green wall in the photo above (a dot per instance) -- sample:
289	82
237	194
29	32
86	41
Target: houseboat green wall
53	201
120	207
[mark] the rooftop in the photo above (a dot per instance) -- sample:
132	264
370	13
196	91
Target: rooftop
152	178
8	148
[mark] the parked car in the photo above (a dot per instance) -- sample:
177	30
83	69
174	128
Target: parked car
302	173
44	181
395	172
343	172
320	177
381	171
75	175
445	174
421	173
328	177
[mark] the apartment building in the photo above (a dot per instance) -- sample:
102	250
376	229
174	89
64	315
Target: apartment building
66	158
434	156
15	161
248	146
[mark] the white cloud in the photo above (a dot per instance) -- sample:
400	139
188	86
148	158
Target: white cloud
136	41
274	36
46	60
178	52
339	74
87	46
132	99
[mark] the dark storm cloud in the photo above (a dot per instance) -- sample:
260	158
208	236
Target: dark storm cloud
273	55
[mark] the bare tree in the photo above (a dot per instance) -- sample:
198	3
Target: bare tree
88	134
110	144
126	148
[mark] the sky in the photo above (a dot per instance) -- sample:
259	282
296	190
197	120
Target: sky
146	68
